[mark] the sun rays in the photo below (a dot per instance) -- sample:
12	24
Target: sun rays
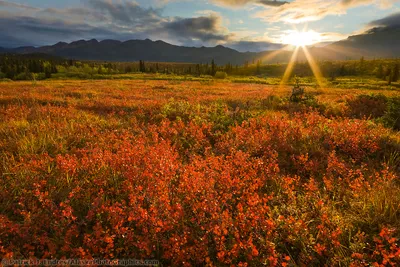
290	66
301	39
274	54
314	66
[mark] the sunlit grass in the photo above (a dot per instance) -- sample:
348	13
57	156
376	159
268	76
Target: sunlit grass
155	159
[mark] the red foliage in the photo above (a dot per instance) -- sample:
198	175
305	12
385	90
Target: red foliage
269	191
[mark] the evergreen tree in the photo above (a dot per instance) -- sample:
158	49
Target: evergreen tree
395	73
362	65
198	71
389	76
258	66
213	68
380	73
128	69
142	66
342	71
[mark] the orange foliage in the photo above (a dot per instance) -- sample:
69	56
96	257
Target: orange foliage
115	178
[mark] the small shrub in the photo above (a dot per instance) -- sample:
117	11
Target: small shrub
179	110
221	75
272	102
312	101
23	76
392	116
370	106
40	76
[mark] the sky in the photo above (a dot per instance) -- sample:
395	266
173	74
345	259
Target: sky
244	25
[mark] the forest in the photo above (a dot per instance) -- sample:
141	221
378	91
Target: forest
40	67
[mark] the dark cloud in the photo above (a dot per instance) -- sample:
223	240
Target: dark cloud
354	2
73	13
299	11
120	20
236	3
16	5
22	30
389	21
101	19
271	3
206	28
125	12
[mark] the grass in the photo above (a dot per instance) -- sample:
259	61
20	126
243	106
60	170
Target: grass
199	172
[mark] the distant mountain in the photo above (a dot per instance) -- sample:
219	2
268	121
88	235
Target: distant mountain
383	42
135	50
380	42
3	50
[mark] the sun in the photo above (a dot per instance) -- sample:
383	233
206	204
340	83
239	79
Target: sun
301	38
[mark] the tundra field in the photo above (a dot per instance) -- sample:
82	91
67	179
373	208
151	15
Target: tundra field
200	173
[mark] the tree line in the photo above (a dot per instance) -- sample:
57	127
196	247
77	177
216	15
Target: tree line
39	66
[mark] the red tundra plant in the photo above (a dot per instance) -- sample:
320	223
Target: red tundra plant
113	178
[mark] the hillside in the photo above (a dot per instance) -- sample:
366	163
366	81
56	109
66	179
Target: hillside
379	42
382	42
134	50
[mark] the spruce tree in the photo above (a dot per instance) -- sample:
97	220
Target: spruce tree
395	73
213	68
380	73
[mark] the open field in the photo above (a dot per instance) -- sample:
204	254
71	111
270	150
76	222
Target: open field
197	173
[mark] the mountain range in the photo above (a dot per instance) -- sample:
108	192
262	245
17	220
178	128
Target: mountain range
382	42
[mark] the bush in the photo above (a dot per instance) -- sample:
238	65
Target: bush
221	75
272	102
40	76
23	76
216	178
369	106
179	110
392	116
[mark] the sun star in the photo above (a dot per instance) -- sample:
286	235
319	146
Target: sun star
301	38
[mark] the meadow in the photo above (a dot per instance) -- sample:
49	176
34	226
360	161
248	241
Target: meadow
201	173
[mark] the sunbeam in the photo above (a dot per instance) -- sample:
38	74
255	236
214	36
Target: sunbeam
274	54
290	66
314	66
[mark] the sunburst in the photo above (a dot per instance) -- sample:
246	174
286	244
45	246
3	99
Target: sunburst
301	39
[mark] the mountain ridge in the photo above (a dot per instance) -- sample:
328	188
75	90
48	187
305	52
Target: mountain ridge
375	43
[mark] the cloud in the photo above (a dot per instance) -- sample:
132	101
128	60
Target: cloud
237	3
389	21
205	28
22	30
380	3
234	3
76	14
125	20
300	11
329	37
102	19
16	5
386	23
125	12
